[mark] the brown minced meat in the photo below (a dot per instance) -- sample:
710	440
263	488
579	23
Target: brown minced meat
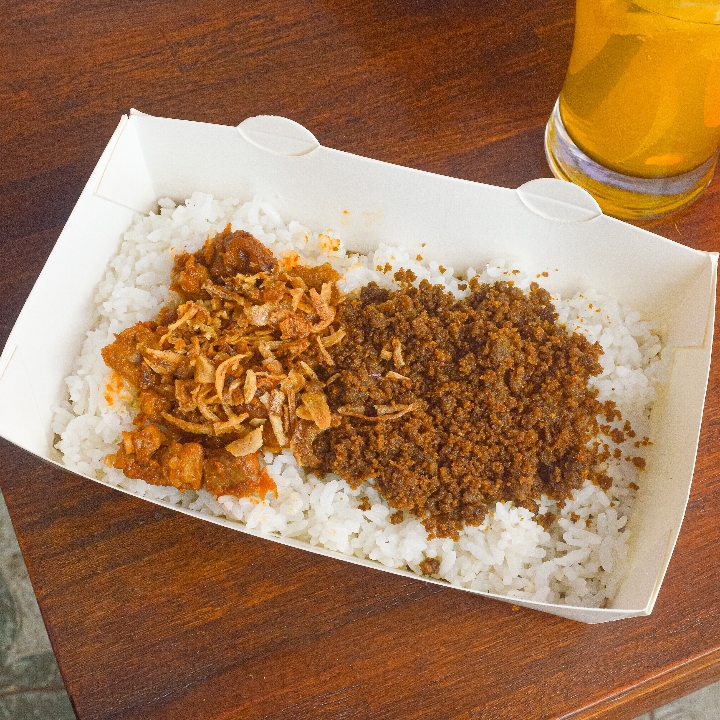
452	405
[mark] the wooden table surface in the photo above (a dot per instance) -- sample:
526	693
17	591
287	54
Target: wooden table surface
156	615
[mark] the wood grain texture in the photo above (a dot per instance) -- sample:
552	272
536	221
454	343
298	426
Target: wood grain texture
156	615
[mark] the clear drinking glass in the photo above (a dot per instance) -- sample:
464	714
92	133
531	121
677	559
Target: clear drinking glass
637	123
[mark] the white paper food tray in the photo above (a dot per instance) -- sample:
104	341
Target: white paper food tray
545	225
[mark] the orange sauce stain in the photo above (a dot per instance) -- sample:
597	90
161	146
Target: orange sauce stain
289	259
326	243
265	484
114	386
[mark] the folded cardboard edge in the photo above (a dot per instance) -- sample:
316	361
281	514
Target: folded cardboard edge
703	358
608	614
687	360
173	148
558	200
278	135
548	197
694	332
125	160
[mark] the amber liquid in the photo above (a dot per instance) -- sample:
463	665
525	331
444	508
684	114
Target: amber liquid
642	93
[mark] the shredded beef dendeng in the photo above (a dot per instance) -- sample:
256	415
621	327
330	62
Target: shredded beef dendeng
446	405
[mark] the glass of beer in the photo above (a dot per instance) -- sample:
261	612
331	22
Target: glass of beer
637	123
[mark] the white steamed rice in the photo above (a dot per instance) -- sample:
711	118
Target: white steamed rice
579	560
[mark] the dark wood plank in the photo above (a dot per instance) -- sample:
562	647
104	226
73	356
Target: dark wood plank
156	615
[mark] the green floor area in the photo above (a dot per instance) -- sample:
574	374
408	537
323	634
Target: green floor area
30	682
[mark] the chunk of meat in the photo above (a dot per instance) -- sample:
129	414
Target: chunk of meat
135	456
236	252
124	355
188	277
153	405
226	474
430	566
183	465
146	455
